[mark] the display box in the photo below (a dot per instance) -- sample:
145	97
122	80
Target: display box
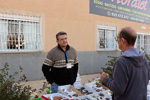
85	90
101	96
99	84
69	90
85	97
54	95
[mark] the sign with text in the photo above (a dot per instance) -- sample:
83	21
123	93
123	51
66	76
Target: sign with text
132	10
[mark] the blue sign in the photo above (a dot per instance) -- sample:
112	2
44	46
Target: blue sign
132	10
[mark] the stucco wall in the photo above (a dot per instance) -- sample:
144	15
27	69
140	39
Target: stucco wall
71	16
89	62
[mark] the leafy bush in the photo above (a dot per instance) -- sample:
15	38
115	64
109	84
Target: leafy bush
109	68
110	63
45	86
11	90
147	57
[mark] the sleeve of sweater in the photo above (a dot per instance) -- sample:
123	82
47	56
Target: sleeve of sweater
120	78
46	68
47	73
75	65
75	71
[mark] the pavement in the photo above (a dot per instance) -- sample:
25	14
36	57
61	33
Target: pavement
39	83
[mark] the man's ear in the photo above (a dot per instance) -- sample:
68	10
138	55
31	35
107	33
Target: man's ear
123	41
57	41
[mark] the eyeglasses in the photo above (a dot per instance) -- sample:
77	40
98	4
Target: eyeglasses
116	38
63	39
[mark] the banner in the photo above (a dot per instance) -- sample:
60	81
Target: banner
132	10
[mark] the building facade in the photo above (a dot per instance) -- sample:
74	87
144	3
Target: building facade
28	29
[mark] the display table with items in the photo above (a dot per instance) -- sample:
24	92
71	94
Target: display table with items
148	91
89	91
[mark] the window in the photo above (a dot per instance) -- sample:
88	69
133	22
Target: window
106	39
19	33
143	41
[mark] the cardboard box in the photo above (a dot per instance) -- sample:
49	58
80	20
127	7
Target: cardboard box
99	84
67	87
74	89
86	88
98	96
85	97
51	96
43	98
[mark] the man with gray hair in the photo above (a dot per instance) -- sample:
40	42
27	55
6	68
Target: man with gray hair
130	71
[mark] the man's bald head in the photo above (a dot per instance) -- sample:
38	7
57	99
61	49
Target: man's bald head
129	34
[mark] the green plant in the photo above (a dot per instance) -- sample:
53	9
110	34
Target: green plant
11	89
109	68
147	56
110	63
45	86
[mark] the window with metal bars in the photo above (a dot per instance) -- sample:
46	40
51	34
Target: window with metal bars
106	39
20	33
143	41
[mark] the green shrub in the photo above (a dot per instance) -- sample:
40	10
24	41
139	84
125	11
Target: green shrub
11	89
110	63
109	68
147	57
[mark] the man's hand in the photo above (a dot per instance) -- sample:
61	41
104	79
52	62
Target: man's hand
103	75
53	83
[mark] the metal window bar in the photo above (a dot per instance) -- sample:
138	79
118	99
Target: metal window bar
143	41
101	39
105	38
109	40
115	43
98	39
102	33
19	36
146	44
15	35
